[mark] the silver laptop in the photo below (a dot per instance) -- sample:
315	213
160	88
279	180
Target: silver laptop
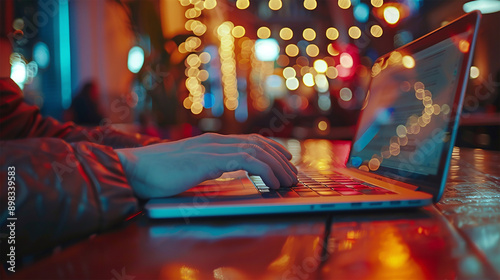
400	154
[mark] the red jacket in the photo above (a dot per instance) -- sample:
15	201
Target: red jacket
69	183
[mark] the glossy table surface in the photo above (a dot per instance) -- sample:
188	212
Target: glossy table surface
457	238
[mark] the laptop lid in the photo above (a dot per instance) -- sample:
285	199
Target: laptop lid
409	120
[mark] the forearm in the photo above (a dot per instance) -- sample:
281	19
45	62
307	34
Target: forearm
62	191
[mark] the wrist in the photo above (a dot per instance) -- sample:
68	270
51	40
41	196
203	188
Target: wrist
126	159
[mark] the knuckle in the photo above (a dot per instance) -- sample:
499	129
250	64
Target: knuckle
254	137
252	149
209	135
246	157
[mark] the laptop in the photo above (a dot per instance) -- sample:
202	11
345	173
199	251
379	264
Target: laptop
400	154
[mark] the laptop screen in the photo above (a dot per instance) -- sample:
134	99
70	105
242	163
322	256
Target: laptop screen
406	128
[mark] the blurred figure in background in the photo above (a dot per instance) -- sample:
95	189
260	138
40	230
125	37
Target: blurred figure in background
84	109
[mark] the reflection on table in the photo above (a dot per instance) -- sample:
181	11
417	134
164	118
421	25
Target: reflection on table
456	238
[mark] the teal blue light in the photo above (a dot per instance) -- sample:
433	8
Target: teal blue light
361	12
484	6
135	59
41	54
241	112
64	53
209	100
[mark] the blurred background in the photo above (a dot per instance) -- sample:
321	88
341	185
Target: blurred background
282	68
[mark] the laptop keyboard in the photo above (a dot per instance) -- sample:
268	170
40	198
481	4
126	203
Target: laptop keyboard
314	184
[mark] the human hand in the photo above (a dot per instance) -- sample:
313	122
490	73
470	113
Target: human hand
170	168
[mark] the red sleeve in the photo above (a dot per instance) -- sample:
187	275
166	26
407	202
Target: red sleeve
62	191
69	183
20	120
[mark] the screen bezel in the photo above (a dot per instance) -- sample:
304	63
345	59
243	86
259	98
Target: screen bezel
434	184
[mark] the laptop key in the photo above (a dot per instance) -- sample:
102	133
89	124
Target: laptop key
328	193
303	190
316	189
356	186
291	194
327	181
335	185
360	187
271	194
308	182
314	183
307	194
342	189
351	192
347	182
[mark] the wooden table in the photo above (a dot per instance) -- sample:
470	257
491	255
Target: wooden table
457	238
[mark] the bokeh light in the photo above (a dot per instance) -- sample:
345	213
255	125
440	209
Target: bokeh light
376	31
210	4
361	12
377	3
205	57
344	4
41	54
292	50
18	72
275	5
238	31
484	6
309	34
135	59
264	32
354	32
332	51
267	49
310	4
320	66
286	33
289	72
321	83
464	46
346	60
345	94
324	102
308	79
242	4
332	72
374	164
332	33
322	125
408	61
202	75
474	72
391	14
292	83
18	24
401	131
395	57
283	60
312	50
